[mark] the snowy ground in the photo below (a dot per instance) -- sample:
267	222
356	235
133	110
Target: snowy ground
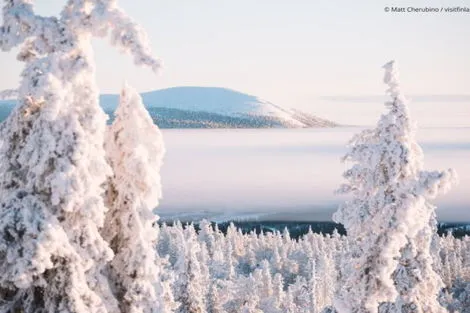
288	174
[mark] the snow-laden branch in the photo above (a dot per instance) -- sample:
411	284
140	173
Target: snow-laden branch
46	34
432	184
103	17
131	38
20	23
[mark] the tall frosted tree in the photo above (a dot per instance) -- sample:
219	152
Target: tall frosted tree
53	166
389	216
135	149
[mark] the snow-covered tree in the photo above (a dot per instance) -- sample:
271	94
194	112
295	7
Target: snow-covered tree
53	166
217	297
389	217
300	293
135	149
457	298
296	288
193	281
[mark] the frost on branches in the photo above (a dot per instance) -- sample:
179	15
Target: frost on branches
135	150
390	216
53	166
269	272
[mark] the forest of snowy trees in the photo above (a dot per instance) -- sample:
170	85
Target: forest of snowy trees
209	271
78	231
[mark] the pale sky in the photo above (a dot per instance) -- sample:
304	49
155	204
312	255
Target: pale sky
287	52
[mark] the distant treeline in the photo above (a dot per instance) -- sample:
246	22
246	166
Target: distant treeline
299	228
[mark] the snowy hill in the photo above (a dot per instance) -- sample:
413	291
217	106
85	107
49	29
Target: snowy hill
206	107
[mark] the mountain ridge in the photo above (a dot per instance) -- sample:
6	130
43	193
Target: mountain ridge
210	107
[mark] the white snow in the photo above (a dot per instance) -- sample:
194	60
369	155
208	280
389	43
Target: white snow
53	166
215	100
223	102
135	151
390	218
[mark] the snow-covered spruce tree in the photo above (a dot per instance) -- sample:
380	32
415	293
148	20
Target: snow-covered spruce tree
135	149
389	217
53	165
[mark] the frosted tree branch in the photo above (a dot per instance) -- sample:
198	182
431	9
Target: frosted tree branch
20	23
131	38
432	184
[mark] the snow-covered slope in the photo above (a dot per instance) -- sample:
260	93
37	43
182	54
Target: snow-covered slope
210	107
230	103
